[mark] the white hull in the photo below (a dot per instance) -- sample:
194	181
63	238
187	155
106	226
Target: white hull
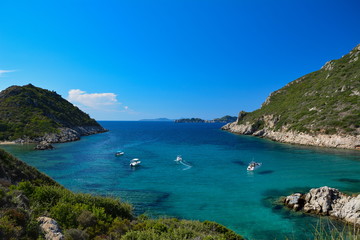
135	162
253	166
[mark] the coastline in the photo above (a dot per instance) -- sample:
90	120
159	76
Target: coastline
64	135
7	142
318	140
327	201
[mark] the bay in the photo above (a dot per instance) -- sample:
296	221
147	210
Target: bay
211	184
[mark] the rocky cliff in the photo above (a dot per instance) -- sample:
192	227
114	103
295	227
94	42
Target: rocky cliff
32	114
327	201
320	109
296	137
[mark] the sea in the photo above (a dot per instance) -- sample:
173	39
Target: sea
211	183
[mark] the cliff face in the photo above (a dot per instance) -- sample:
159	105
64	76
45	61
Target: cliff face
321	108
32	114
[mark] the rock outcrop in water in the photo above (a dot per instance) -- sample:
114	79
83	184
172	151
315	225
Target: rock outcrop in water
319	109
327	201
44	146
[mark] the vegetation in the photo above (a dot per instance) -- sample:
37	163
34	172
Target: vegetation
329	231
13	171
325	101
224	119
190	120
25	197
30	112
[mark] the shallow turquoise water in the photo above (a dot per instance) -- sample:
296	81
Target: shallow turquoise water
213	183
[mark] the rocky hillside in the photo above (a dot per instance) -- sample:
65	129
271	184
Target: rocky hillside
32	114
321	108
12	171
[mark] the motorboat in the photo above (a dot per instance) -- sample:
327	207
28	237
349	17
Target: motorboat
135	162
119	153
178	158
253	165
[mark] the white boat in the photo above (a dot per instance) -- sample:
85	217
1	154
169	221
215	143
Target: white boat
135	162
119	153
178	158
253	165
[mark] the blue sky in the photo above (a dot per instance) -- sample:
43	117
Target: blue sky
129	60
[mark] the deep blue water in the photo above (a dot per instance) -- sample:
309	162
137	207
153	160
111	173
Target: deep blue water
211	184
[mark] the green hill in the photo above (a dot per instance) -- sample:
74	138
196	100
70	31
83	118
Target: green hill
28	113
26	194
325	102
225	119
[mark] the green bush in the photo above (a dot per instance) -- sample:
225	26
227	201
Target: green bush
75	234
9	229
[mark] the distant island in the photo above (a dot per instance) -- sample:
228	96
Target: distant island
320	109
156	120
30	114
225	119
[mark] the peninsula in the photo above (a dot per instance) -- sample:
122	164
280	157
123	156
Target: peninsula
319	109
29	114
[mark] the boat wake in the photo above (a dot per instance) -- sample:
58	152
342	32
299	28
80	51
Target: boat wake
135	144
187	165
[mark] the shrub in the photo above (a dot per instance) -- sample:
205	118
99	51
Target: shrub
119	227
86	219
9	229
75	234
65	214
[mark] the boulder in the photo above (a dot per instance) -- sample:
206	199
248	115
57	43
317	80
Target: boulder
320	200
327	201
43	145
295	201
50	228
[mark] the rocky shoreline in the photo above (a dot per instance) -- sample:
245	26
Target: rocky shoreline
319	140
63	135
327	201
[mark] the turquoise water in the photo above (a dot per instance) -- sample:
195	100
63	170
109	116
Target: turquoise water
211	184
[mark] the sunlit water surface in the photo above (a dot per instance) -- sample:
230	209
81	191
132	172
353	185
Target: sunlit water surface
211	184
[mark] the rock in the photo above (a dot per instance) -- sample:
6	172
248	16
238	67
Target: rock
64	134
50	228
44	146
246	129
327	201
319	200
328	66
259	133
294	201
293	137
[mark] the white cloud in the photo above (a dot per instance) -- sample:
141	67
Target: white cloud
5	71
92	100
